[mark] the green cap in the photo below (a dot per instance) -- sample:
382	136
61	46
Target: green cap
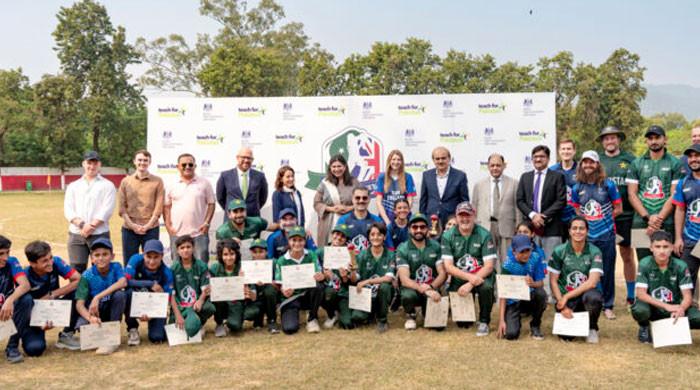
342	229
296	231
258	243
418	217
235	204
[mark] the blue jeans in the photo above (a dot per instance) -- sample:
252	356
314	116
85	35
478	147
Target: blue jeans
111	308
156	326
201	248
606	244
131	241
33	346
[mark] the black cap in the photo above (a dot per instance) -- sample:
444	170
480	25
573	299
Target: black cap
692	148
654	129
91	155
611	130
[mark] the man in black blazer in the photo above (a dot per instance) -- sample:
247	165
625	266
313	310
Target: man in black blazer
242	182
442	187
541	197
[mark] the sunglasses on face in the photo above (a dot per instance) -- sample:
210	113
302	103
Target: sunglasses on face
361	197
187	165
419	227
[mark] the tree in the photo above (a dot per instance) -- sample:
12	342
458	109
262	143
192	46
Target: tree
464	73
557	74
318	75
16	119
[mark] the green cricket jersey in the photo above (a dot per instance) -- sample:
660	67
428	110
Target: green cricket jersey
189	282
616	170
285	259
573	269
655	178
666	285
251	229
370	267
336	282
467	252
422	263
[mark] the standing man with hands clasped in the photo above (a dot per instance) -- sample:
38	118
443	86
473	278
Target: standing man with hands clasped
242	182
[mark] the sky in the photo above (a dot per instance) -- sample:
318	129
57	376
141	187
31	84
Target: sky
663	33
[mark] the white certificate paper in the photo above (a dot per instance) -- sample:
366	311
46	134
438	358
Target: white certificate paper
104	335
436	313
665	333
228	288
177	336
151	304
246	254
298	276
640	239
255	271
577	326
336	257
55	310
7	329
512	287
360	301
462	308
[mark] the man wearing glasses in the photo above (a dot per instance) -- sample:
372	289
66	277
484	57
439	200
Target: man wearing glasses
189	207
359	219
242	182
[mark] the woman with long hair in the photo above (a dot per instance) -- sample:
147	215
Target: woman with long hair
393	184
287	196
333	197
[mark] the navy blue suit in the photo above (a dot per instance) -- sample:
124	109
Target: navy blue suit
456	191
228	188
285	200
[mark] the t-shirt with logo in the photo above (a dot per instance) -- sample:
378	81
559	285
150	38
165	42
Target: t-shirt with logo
286	259
396	234
616	168
533	267
42	285
189	282
370	267
688	195
421	263
570	179
252	227
335	282
8	278
596	205
667	285
278	243
394	194
574	269
358	229
655	178
468	253
137	271
93	282
218	270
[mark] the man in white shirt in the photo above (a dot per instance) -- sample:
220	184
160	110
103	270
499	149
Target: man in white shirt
88	205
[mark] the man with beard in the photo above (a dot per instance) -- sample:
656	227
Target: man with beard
278	243
595	197
241	227
359	219
651	182
687	217
420	269
695	140
469	256
616	163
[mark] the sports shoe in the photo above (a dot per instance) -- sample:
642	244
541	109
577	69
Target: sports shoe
482	329
644	336
13	355
272	328
536	333
67	340
382	327
410	323
592	337
220	330
610	314
312	326
330	322
107	350
134	337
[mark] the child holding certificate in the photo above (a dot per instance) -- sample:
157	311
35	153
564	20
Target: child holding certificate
375	267
267	293
102	288
335	293
191	288
16	304
296	299
228	263
147	273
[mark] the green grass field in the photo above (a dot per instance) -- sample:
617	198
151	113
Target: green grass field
337	358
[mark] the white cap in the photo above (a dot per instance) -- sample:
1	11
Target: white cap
591	155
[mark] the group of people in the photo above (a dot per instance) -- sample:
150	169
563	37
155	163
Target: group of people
557	225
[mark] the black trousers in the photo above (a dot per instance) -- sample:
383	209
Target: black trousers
535	307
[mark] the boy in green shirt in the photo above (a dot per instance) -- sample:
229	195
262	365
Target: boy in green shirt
335	294
267	293
241	227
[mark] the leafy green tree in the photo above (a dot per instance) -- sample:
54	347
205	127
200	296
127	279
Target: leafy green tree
16	119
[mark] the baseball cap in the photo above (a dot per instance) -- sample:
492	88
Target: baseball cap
235	204
287	211
342	229
91	155
153	246
417	217
692	148
101	243
296	231
591	155
258	243
521	243
611	130
654	129
465	207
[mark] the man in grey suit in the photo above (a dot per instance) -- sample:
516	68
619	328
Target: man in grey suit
496	205
242	182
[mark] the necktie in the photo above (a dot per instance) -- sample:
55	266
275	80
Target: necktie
536	193
244	186
495	198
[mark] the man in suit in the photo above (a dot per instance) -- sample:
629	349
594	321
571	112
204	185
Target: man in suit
442	187
496	207
244	183
541	197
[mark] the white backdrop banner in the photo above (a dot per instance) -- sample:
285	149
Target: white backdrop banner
304	132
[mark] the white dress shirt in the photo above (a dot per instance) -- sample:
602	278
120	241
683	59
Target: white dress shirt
90	200
442	181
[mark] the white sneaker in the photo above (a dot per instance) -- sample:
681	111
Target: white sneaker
107	350
482	329
410	324
134	337
220	331
312	326
330	322
592	337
